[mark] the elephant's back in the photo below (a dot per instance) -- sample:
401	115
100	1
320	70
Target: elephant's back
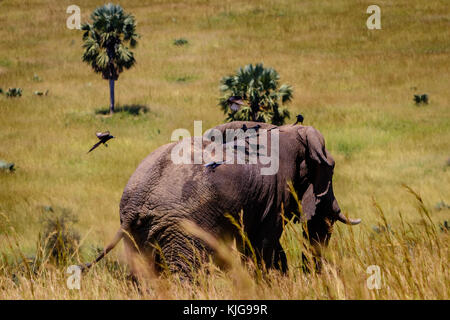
149	168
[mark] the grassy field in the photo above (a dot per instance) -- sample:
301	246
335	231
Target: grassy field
355	85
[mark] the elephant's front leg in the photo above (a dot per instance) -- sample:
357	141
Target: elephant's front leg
274	256
319	234
283	259
271	251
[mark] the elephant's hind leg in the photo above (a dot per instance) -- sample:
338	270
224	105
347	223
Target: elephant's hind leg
274	256
140	259
180	253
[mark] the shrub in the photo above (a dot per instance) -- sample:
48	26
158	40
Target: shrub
59	240
14	92
180	42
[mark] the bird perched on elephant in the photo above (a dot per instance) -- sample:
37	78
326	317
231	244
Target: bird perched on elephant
161	194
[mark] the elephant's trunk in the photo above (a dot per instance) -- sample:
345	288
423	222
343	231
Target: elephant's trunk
342	218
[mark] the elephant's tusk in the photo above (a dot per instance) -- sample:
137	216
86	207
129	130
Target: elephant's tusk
342	218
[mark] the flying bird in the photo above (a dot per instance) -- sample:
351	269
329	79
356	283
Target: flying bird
299	119
235	102
103	137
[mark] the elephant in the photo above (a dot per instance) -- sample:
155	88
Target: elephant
161	194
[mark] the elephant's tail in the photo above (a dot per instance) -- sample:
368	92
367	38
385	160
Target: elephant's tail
114	242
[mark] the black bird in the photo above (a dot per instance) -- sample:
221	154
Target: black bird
256	128
421	98
214	164
299	119
235	102
103	137
417	98
424	98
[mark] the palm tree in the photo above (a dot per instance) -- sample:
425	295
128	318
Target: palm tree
259	87
104	43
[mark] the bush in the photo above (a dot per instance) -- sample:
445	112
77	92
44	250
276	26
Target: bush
180	42
14	92
59	240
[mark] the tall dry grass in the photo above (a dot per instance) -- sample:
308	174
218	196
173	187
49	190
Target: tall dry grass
356	86
413	260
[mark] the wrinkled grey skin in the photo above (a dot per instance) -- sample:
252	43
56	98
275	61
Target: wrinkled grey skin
160	194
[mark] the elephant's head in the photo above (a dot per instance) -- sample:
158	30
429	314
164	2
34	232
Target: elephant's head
316	174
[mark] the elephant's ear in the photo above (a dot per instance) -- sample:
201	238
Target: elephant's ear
320	166
308	203
315	146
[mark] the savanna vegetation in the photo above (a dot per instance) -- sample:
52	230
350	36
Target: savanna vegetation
60	206
260	88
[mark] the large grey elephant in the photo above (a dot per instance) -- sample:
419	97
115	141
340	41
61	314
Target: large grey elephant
161	194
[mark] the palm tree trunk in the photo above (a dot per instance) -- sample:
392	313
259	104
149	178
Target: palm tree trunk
111	96
254	115
254	111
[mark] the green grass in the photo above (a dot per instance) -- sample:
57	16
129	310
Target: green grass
353	84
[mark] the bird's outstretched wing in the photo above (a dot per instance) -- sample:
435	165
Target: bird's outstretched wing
215	164
95	146
102	134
